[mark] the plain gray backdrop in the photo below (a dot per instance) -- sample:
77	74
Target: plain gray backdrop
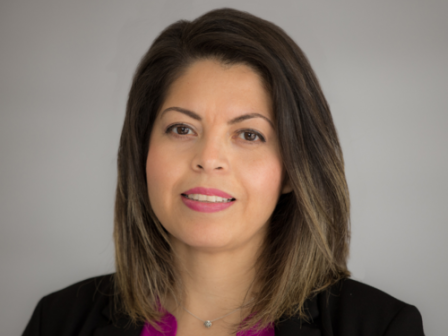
65	72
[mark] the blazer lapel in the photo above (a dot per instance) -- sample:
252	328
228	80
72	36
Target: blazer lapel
117	326
289	326
294	326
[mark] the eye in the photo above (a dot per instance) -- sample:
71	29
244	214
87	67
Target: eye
180	129
248	135
251	135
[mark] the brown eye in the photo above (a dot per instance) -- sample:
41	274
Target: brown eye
182	130
179	129
252	136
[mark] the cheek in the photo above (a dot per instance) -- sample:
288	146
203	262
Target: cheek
158	174
153	172
264	181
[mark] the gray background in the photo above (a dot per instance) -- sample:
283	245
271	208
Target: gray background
65	70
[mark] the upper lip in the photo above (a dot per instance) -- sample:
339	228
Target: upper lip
208	192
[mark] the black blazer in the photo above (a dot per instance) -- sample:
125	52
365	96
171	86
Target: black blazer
348	308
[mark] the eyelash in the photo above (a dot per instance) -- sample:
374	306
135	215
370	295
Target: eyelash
248	130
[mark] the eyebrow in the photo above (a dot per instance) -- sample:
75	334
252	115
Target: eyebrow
238	119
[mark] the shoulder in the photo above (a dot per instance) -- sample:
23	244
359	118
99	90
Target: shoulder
354	308
82	297
73	309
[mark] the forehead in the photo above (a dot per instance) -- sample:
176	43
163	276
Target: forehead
209	85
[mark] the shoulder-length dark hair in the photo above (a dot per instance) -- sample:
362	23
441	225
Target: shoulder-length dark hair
307	243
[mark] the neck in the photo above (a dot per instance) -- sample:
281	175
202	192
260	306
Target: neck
214	282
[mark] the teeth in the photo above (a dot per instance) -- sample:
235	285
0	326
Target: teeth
205	198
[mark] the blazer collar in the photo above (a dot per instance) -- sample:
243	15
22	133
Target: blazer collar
121	325
295	326
117	325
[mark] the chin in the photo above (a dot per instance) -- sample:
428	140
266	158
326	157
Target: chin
207	239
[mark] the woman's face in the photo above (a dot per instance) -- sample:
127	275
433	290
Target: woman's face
215	130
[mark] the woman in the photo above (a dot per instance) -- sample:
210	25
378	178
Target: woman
232	208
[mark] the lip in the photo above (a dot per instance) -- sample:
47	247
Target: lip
208	192
205	206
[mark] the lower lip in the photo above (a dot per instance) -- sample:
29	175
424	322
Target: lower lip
205	206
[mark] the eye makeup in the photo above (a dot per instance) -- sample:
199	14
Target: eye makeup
241	131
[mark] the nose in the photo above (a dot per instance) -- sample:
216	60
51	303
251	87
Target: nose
210	155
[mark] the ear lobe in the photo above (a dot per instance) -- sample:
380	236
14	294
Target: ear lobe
287	188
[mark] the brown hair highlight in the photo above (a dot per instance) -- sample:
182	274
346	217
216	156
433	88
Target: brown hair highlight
307	245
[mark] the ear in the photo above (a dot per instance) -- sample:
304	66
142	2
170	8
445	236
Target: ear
287	188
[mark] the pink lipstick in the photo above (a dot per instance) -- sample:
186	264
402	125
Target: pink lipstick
204	206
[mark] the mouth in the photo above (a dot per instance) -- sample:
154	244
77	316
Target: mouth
208	199
207	195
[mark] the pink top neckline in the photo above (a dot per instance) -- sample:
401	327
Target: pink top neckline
169	328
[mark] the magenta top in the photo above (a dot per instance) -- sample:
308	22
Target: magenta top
169	328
